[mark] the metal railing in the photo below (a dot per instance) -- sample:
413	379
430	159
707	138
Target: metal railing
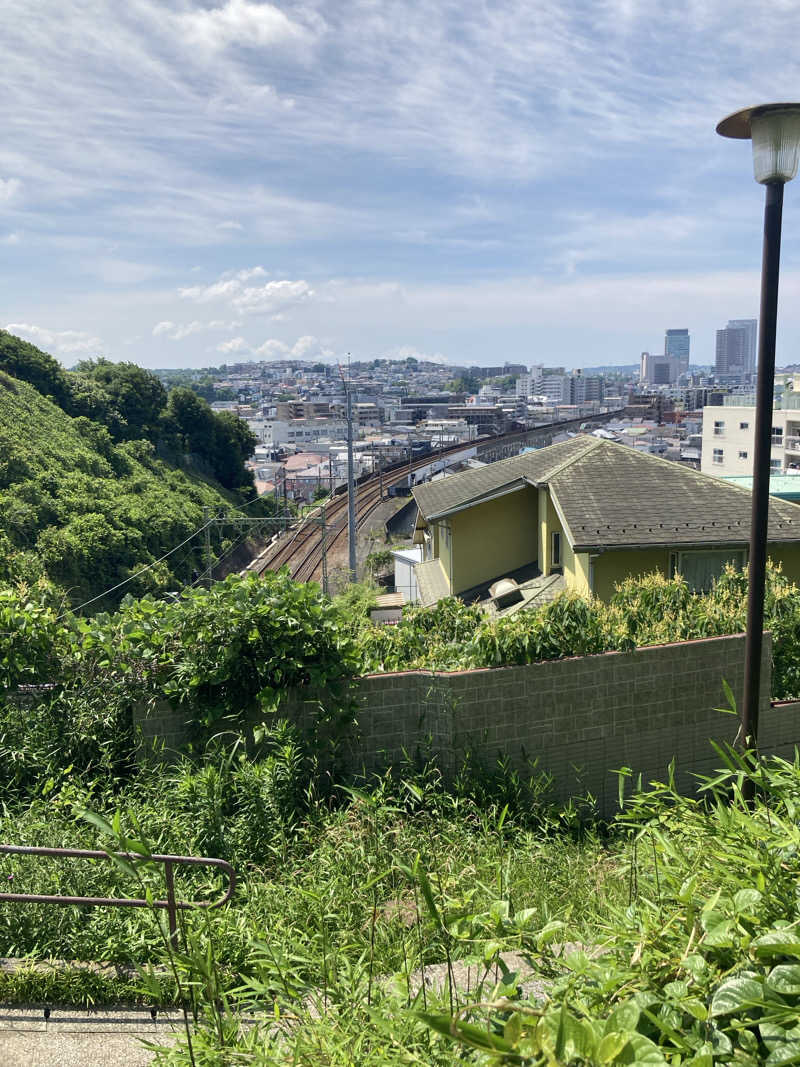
171	905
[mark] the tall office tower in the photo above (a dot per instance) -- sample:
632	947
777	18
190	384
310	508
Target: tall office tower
676	346
736	349
750	327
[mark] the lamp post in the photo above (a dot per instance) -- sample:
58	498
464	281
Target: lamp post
775	132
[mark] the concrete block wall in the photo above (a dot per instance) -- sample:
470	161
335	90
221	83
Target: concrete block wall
580	719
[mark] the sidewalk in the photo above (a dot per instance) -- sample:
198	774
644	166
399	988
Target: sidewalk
79	1038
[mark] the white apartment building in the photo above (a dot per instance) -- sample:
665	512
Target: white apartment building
528	384
729	435
556	388
301	432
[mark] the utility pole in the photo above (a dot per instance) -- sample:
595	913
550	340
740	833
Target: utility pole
351	481
323	541
380	472
207	545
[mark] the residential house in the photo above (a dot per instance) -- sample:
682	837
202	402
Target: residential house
585	514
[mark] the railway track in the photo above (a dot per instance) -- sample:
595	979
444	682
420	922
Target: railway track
301	546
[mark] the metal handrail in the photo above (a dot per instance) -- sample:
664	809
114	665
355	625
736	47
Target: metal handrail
171	905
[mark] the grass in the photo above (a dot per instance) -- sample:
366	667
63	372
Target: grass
681	914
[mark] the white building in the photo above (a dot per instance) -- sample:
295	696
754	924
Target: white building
301	432
556	387
729	435
528	384
405	578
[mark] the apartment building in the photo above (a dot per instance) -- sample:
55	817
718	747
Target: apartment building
729	435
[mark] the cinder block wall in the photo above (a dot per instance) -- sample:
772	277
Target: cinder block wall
580	719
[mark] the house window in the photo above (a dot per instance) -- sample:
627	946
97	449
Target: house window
556	554
700	569
777	435
776	465
744	425
719	429
742	455
717	457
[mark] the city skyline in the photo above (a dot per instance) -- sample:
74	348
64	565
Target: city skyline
186	182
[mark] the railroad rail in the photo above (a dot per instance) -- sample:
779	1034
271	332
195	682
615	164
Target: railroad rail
301	547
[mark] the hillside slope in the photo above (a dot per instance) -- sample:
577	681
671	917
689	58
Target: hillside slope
86	512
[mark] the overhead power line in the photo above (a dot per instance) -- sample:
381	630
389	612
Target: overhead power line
142	570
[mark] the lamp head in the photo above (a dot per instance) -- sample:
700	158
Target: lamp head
775	132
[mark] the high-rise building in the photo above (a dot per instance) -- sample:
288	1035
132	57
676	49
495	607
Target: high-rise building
676	346
736	349
654	369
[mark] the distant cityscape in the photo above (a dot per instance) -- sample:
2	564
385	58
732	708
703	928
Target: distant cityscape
297	408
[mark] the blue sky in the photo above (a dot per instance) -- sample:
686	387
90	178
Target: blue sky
187	183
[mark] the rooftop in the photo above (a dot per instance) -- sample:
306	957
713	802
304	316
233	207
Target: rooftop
610	496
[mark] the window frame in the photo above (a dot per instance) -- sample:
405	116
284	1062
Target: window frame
555	549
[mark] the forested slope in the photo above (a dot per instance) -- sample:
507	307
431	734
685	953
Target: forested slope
88	512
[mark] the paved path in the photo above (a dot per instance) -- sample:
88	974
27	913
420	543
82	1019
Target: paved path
76	1038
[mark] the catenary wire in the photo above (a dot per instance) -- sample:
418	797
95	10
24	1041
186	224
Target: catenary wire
149	566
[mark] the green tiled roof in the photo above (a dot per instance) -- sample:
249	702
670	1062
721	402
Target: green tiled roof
449	494
611	496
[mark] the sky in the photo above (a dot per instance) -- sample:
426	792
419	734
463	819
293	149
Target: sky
187	183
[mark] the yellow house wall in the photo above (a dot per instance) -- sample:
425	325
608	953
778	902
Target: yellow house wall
444	549
575	567
613	567
542	539
494	538
789	557
576	570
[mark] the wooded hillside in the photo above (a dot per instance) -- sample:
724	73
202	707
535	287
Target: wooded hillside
88	512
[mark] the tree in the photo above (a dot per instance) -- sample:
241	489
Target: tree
136	394
234	443
30	364
222	442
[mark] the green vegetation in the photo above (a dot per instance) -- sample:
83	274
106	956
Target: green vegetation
108	476
361	906
667	936
643	611
203	382
132	404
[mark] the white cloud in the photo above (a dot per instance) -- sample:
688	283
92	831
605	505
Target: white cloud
10	239
240	22
58	342
236	344
178	332
408	351
306	347
272	298
9	187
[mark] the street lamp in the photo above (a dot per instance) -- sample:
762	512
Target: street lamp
775	132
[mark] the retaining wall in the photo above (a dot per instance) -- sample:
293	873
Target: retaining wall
579	718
